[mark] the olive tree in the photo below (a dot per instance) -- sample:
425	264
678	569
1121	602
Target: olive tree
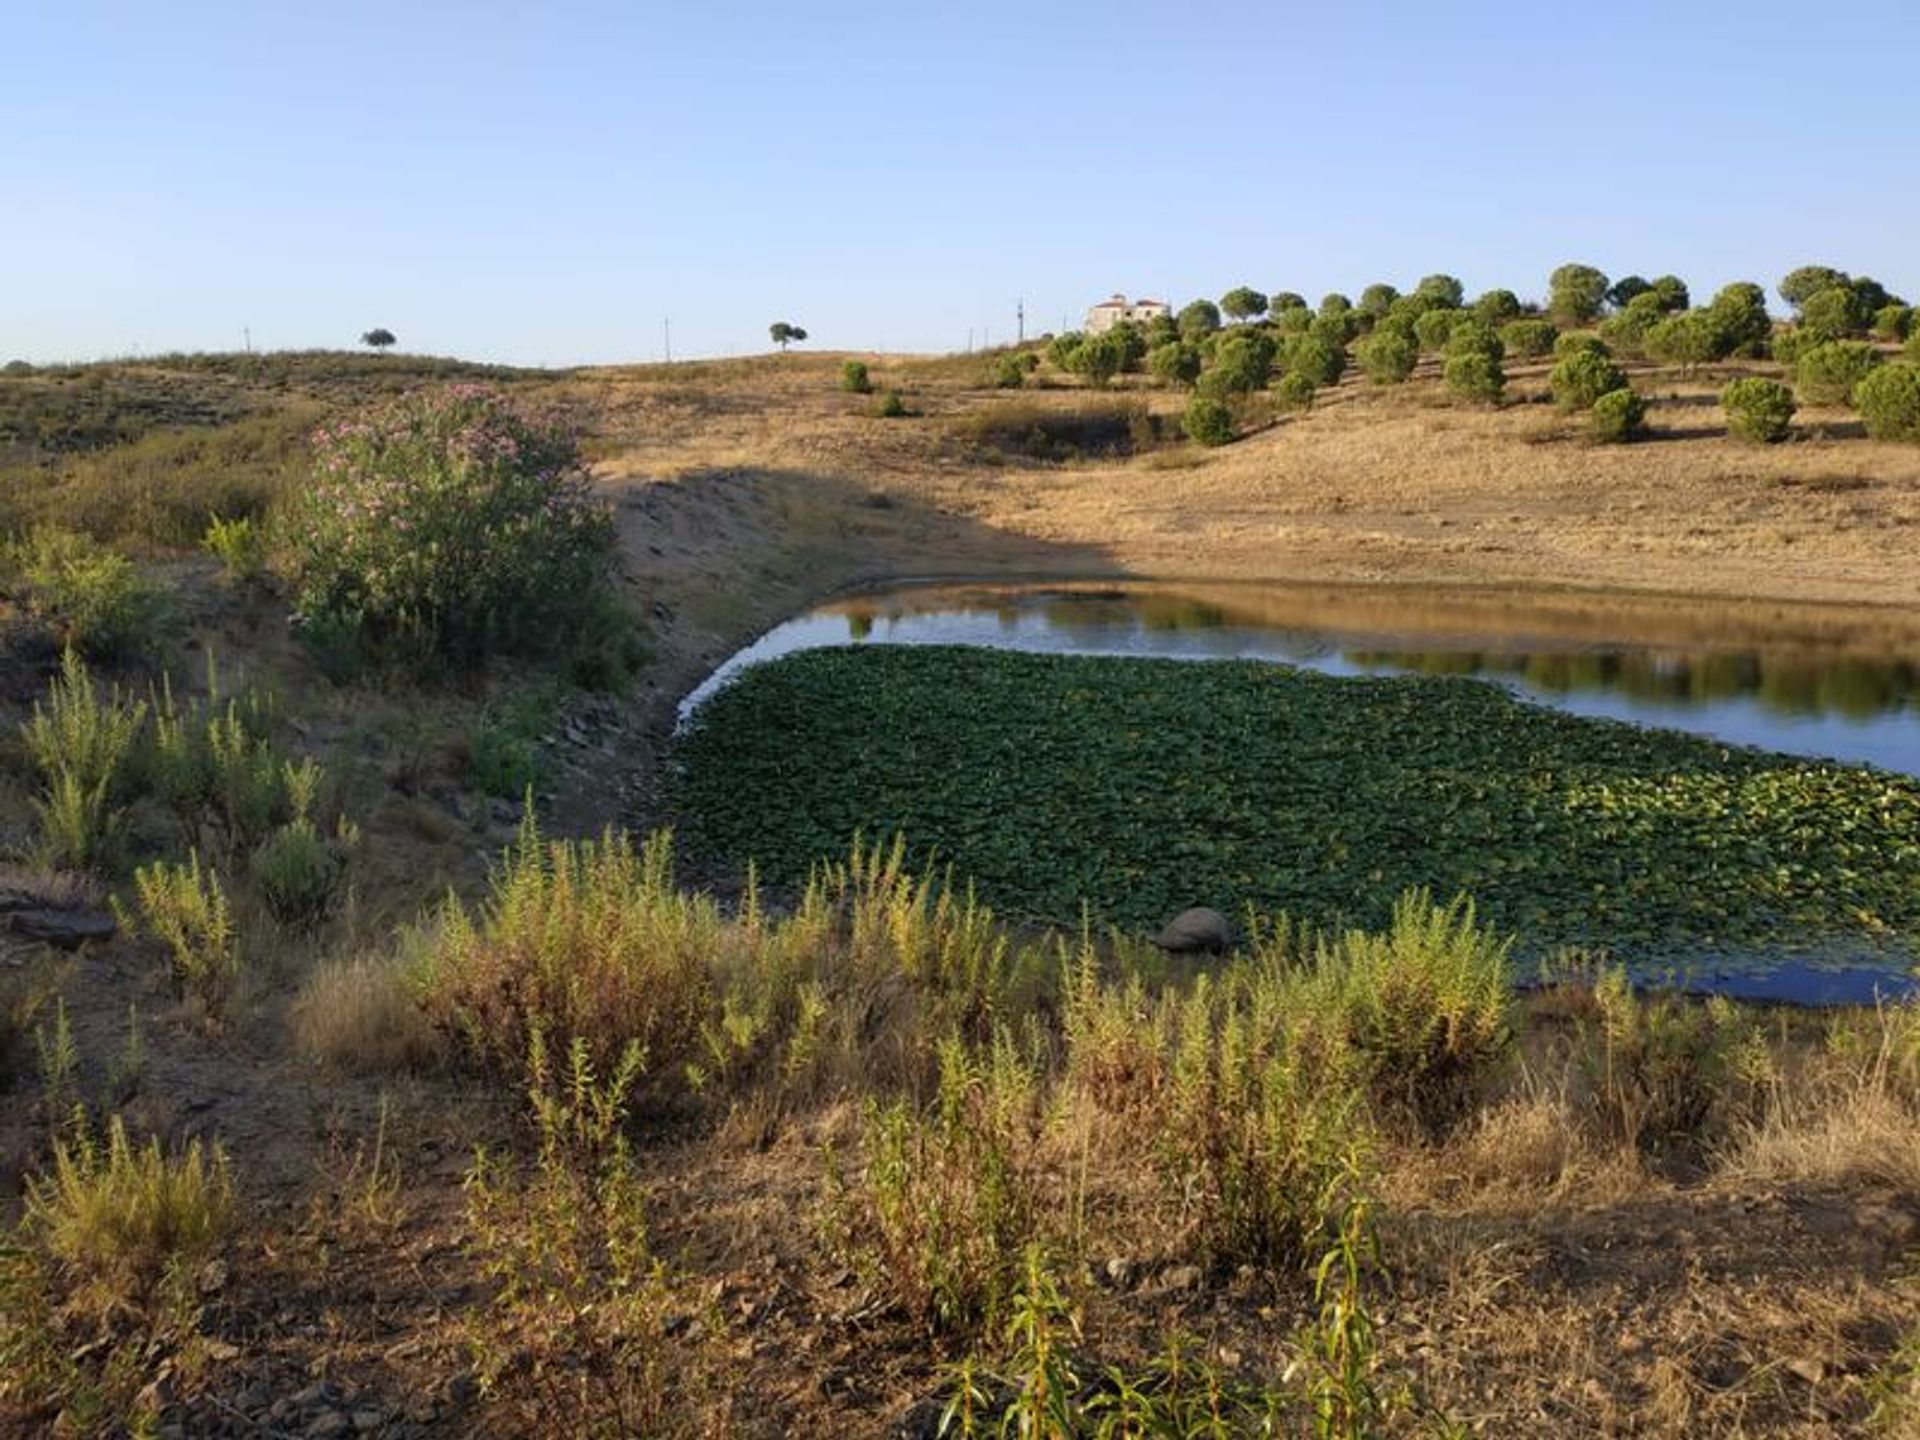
785	334
379	338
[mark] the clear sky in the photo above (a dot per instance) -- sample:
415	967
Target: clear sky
547	183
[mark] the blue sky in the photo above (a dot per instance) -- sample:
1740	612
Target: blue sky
546	184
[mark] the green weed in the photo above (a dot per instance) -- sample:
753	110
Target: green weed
81	745
186	909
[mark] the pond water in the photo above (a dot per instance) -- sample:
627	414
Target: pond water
1822	681
1828	682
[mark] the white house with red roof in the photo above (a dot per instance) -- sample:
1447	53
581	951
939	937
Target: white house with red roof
1117	308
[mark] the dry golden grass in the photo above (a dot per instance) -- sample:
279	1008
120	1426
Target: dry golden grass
358	1016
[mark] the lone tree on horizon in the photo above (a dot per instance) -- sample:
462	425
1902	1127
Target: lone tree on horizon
784	334
379	337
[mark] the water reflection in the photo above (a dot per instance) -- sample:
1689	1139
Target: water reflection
1818	681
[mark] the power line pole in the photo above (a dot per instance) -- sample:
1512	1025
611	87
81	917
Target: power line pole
666	329
247	330
1020	321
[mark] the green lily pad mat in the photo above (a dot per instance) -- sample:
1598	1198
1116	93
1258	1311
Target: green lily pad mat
1134	788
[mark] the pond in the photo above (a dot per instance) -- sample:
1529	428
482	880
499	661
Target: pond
1727	869
1831	682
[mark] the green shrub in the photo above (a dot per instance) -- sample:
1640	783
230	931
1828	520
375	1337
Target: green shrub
1575	294
82	746
450	522
890	406
240	545
1175	362
1099	358
1627	328
94	596
1803	283
1243	303
1740	313
1474	336
1671	291
1426	1008
1618	415
1693	337
1661	1065
1826	374
1377	299
1389	355
1579	379
1433	328
1256	1134
584	940
1836	312
1475	375
854	379
1444	289
1911	350
1061	347
1207	421
1578	342
1009	373
1242	363
1789	344
1496	307
185	908
1318	358
1200	317
1893	322
1758	409
123	1216
297	873
1529	339
951	1195
1889	402
1295	392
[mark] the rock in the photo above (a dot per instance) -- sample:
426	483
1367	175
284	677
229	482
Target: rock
1807	1368
62	929
332	1425
1119	1273
1201	930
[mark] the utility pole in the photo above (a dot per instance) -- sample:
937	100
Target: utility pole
666	329
1020	321
247	330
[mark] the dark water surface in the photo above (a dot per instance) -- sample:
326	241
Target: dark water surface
1826	682
1835	683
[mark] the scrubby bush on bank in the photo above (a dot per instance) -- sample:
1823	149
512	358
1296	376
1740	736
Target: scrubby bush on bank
1889	402
1758	409
450	522
1618	415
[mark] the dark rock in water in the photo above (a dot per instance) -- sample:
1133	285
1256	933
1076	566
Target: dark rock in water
62	929
1200	930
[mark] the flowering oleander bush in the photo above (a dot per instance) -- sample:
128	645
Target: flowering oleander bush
450	521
